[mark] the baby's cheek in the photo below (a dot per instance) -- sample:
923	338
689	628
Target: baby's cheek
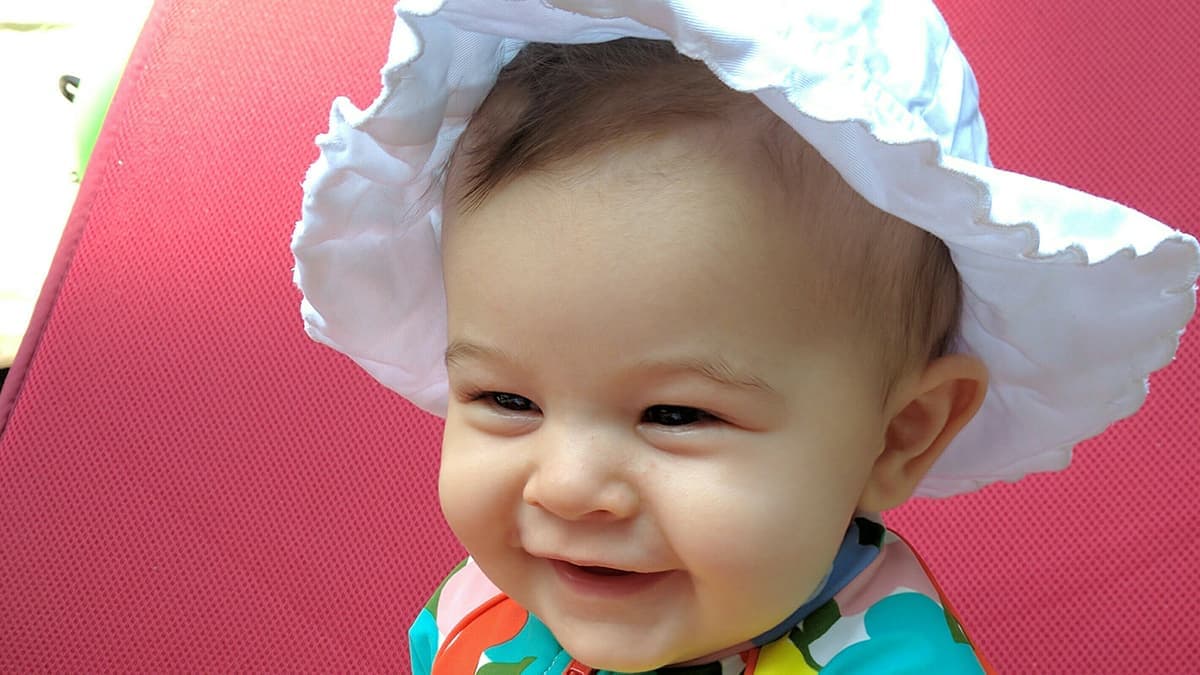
759	533
719	531
469	491
748	575
454	491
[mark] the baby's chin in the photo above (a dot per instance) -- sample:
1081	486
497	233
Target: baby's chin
638	657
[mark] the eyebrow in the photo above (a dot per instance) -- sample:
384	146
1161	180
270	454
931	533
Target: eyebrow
717	370
461	350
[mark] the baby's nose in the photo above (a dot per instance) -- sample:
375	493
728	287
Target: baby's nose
582	476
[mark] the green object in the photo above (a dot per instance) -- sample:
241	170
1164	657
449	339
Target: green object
102	51
93	99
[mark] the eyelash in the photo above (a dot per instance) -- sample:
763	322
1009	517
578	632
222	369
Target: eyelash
695	416
493	399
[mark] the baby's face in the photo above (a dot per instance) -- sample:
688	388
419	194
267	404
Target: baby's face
656	437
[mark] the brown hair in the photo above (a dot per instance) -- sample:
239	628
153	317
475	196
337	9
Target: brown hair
558	102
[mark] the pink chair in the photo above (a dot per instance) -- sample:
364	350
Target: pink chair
187	483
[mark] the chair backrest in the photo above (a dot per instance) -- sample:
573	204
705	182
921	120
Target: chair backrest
186	482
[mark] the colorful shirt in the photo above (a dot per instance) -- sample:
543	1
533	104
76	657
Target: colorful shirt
879	611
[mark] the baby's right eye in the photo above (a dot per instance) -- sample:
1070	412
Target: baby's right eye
510	402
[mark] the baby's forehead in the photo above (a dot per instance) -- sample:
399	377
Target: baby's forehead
621	213
762	191
746	171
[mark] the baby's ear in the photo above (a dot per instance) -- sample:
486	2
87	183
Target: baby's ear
930	410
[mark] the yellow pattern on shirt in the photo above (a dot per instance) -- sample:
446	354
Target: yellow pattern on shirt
781	657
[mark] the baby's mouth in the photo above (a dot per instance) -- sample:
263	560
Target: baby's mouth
604	581
602	571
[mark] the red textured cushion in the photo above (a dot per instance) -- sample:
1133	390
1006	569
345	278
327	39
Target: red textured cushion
186	482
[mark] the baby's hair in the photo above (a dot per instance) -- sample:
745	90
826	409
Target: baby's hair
556	102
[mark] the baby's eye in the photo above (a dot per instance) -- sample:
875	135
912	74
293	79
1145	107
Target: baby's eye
507	401
674	415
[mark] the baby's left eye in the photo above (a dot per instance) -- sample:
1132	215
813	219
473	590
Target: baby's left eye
675	415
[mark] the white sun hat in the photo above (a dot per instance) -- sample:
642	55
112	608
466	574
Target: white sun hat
1071	300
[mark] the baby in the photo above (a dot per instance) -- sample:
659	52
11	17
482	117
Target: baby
686	365
686	352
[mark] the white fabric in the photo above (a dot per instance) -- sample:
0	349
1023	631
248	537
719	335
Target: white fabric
1070	299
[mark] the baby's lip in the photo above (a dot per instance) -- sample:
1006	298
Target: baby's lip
597	565
604	582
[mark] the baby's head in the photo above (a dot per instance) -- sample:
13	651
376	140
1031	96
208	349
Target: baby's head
683	353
